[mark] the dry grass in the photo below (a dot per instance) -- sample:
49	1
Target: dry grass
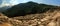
45	19
5	24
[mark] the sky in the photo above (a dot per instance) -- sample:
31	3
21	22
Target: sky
52	2
15	2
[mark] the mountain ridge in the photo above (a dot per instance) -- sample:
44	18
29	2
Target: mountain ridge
28	8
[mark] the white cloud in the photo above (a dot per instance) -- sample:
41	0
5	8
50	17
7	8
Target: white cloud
6	3
13	2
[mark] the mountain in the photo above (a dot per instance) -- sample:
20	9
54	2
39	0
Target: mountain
2	9
28	8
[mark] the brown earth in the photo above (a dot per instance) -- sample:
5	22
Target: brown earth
44	19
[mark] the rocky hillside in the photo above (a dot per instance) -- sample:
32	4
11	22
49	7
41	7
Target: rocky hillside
31	14
44	19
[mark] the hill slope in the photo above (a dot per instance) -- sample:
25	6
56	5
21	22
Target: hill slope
28	8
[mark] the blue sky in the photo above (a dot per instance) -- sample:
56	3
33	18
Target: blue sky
0	1
50	2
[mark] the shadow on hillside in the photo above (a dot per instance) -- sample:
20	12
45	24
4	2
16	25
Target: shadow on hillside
28	8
